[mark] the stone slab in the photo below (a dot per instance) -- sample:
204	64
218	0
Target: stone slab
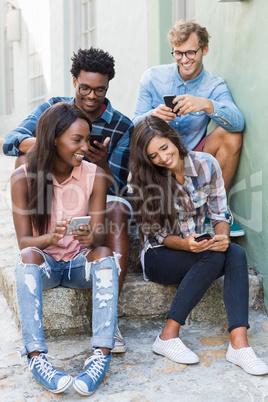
68	311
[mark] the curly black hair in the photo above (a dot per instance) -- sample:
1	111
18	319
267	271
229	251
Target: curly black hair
93	60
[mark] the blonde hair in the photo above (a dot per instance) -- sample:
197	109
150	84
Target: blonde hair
182	30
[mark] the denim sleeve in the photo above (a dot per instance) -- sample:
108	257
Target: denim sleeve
118	163
26	129
217	201
225	109
144	101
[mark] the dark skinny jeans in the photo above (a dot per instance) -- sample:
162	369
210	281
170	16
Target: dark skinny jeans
195	272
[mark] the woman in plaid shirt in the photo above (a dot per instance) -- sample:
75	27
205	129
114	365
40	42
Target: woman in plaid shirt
173	191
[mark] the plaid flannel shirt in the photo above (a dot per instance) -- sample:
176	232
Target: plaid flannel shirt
204	192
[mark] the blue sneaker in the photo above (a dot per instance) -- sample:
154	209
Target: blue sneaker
88	381
53	380
236	230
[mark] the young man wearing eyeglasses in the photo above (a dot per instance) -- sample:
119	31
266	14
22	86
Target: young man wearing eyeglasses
92	69
200	98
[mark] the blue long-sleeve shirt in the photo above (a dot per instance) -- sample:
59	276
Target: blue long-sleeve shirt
192	127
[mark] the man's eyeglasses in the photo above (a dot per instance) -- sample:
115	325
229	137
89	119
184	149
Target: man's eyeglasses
86	90
190	54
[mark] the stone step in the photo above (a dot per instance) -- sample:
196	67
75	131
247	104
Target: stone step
68	311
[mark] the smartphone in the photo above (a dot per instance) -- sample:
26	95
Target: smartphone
203	236
77	222
93	138
168	101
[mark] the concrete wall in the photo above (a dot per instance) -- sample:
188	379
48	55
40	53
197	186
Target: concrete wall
238	53
133	32
122	31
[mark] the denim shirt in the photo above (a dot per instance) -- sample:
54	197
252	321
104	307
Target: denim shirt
166	80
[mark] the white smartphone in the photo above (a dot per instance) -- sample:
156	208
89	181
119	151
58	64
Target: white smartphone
76	222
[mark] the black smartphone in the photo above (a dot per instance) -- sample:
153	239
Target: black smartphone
203	236
168	101
93	138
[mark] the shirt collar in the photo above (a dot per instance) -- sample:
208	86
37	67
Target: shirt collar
107	115
191	83
75	174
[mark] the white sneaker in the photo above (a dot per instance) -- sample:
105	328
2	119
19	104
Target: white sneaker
120	345
175	350
247	360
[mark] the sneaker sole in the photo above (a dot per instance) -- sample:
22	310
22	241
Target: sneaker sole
230	360
160	352
75	387
58	391
237	233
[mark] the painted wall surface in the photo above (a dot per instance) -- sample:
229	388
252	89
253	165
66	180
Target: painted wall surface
35	23
238	53
122	31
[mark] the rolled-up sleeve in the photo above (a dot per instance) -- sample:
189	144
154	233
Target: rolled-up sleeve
217	200
226	114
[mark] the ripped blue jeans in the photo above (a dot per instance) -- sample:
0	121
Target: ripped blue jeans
100	275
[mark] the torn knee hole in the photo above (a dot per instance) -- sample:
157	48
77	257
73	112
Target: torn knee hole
101	269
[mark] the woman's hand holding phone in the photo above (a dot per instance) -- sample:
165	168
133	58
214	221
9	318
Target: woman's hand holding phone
221	243
80	229
198	246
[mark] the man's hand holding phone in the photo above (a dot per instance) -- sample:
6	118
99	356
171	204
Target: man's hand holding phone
164	111
98	153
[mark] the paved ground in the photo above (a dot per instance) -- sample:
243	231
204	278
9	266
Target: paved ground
138	375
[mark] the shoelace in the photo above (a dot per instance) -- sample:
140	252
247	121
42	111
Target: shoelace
43	366
118	336
95	370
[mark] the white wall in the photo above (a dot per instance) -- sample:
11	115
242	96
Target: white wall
35	21
122	31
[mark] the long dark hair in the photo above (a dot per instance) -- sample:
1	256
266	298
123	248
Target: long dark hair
153	186
51	125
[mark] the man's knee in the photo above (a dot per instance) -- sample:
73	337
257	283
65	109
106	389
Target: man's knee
220	139
234	142
117	209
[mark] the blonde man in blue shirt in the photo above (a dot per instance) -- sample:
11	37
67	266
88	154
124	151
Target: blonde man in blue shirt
199	98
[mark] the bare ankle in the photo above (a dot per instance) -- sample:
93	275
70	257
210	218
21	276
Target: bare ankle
171	330
239	338
33	354
105	351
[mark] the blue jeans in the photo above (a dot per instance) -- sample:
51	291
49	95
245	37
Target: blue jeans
195	272
77	273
